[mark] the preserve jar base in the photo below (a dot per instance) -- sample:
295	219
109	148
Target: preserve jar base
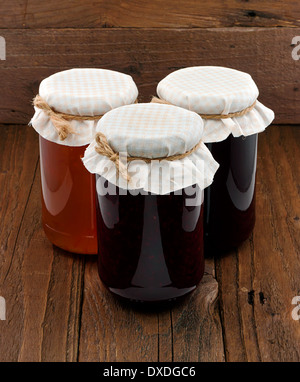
84	245
149	306
152	294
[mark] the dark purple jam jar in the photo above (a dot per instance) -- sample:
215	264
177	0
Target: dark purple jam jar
230	200
150	246
227	101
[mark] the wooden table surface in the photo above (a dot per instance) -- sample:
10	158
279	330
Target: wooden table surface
57	309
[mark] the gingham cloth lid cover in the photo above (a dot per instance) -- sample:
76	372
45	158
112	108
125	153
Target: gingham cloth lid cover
153	131
85	92
217	90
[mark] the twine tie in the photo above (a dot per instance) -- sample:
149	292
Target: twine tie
211	116
104	148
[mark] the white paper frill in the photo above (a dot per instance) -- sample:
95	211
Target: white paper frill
84	92
153	131
217	90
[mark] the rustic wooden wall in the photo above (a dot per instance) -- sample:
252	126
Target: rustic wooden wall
149	39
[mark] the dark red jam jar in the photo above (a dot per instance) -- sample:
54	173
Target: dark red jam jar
150	209
150	246
230	200
226	99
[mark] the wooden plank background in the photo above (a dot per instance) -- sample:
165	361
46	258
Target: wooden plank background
148	14
57	309
149	40
241	312
148	55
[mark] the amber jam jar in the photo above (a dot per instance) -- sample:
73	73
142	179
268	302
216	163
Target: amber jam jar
150	216
68	198
227	101
67	109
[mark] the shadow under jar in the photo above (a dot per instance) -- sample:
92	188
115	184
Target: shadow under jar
150	246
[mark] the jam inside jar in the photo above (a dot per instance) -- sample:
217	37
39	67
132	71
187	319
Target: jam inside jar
150	246
68	198
230	200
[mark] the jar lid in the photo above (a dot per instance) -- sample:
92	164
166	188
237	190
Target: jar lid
80	93
218	91
163	144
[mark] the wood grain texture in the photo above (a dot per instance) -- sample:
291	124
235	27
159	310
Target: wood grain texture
18	162
149	55
257	284
113	331
41	284
197	330
57	310
18	167
143	13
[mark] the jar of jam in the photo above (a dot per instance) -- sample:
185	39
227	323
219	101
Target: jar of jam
67	109
226	99
151	169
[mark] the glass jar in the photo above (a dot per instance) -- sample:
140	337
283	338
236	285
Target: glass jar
226	99
230	200
67	109
150	209
150	246
68	198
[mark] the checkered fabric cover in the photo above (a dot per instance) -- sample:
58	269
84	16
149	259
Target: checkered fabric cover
154	131
217	90
88	92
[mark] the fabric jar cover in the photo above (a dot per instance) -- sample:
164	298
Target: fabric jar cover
153	131
217	90
82	92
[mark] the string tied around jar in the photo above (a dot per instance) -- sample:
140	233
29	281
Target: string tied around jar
62	121
103	148
211	116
